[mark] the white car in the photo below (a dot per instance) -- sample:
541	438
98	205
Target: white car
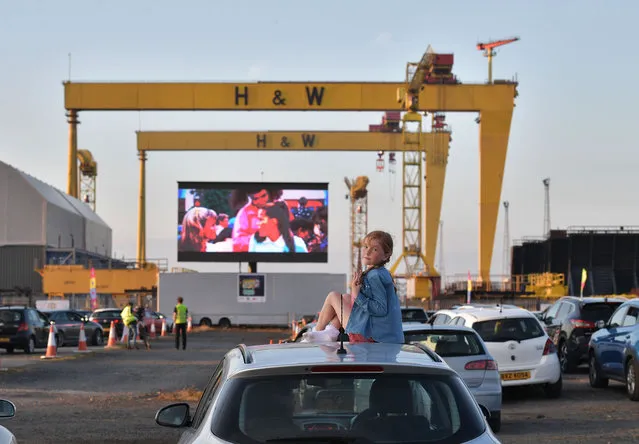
7	410
517	340
464	351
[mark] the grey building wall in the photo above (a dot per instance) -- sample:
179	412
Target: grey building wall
35	213
17	267
22	210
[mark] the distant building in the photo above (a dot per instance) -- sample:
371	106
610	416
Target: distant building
39	225
610	255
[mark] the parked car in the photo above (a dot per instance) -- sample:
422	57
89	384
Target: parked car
517	340
7	410
305	392
23	327
68	324
414	314
613	352
464	351
570	323
104	316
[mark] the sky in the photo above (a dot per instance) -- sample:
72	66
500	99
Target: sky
573	122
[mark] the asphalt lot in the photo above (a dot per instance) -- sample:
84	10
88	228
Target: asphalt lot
112	396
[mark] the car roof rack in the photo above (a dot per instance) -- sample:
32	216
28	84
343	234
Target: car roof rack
246	353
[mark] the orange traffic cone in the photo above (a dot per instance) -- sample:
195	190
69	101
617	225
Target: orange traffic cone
189	325
52	348
113	340
82	343
163	332
153	334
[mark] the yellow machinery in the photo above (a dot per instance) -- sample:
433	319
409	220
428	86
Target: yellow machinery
88	169
58	280
432	88
542	285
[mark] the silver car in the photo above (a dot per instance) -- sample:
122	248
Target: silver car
321	392
465	352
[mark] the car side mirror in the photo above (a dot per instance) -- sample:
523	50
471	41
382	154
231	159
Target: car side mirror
174	415
7	409
600	324
485	411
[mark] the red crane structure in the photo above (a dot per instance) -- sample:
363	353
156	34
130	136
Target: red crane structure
489	52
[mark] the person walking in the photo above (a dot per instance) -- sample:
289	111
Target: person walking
180	315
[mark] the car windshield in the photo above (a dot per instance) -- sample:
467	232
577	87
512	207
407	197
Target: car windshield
510	329
447	343
600	311
431	408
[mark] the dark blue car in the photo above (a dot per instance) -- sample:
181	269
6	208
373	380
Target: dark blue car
613	349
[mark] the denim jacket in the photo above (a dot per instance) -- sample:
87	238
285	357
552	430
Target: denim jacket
376	311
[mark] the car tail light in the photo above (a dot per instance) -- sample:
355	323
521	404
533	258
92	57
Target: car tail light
580	323
23	327
549	347
484	364
347	369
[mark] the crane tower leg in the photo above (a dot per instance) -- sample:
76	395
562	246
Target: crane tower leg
494	131
72	167
436	163
141	256
412	177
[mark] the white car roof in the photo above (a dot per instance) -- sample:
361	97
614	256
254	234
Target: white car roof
486	314
412	327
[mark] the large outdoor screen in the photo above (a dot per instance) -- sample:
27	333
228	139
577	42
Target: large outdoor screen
252	222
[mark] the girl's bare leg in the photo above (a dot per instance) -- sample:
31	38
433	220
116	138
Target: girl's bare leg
334	305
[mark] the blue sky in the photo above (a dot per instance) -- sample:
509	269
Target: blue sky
574	120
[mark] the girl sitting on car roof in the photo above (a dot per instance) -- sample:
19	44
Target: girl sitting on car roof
372	312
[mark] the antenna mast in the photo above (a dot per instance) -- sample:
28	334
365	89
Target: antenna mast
546	183
506	257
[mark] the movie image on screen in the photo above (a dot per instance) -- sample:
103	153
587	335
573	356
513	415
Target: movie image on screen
252	222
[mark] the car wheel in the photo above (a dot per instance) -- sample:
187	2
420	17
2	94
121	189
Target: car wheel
98	338
567	365
554	390
594	375
206	322
224	323
59	340
631	380
495	422
30	348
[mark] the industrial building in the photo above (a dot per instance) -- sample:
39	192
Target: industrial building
610	256
40	225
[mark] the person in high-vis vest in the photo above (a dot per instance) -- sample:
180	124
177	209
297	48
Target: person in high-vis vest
180	316
130	321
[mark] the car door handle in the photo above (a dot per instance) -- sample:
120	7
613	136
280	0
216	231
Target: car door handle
627	336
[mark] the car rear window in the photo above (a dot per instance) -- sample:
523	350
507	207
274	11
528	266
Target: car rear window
414	315
600	311
317	408
511	329
447	343
11	316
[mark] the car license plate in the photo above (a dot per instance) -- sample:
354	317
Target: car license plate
4	339
515	376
